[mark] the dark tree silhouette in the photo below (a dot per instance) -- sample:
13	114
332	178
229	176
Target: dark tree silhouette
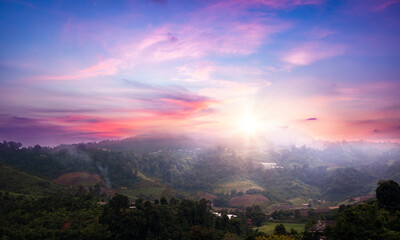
388	194
280	229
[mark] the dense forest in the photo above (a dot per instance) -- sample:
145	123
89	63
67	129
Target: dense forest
107	190
335	173
78	215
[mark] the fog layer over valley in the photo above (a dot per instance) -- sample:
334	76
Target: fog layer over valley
151	167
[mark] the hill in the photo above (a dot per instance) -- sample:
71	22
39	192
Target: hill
150	167
17	181
148	143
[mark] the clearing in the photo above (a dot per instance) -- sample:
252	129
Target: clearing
240	185
249	200
269	227
78	178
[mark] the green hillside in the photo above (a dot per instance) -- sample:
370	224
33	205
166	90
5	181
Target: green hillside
13	180
224	171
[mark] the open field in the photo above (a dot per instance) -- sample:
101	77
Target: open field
150	192
247	200
79	178
269	227
237	184
297	201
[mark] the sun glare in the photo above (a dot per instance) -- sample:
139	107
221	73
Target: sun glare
249	124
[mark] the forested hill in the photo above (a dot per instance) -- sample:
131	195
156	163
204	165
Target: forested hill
184	168
16	181
148	143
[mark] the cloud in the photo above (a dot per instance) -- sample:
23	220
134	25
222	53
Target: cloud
32	131
128	108
230	91
311	52
311	119
382	5
103	68
232	5
171	102
319	33
203	33
368	6
196	72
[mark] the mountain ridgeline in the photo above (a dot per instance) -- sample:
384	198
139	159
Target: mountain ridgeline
182	167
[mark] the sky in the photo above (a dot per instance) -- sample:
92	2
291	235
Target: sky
77	71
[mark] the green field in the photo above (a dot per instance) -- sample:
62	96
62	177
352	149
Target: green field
150	192
269	227
17	181
238	184
297	201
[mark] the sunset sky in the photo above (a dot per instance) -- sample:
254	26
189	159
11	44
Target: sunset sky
73	71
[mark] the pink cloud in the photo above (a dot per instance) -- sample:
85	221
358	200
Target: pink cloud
206	32
240	4
228	91
312	52
190	42
195	41
190	105
355	111
156	108
367	6
103	68
196	72
383	4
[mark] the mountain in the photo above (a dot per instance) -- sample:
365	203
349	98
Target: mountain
149	143
152	166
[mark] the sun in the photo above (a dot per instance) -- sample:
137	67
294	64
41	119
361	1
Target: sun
249	124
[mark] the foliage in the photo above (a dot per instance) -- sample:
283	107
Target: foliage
17	181
186	219
388	194
57	216
370	220
280	229
270	226
78	216
256	215
366	221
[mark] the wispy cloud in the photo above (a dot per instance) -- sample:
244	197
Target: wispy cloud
311	52
382	5
129	107
319	33
195	38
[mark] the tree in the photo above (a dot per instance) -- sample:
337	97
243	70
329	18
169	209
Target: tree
119	201
364	221
163	201
256	215
388	194
280	229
